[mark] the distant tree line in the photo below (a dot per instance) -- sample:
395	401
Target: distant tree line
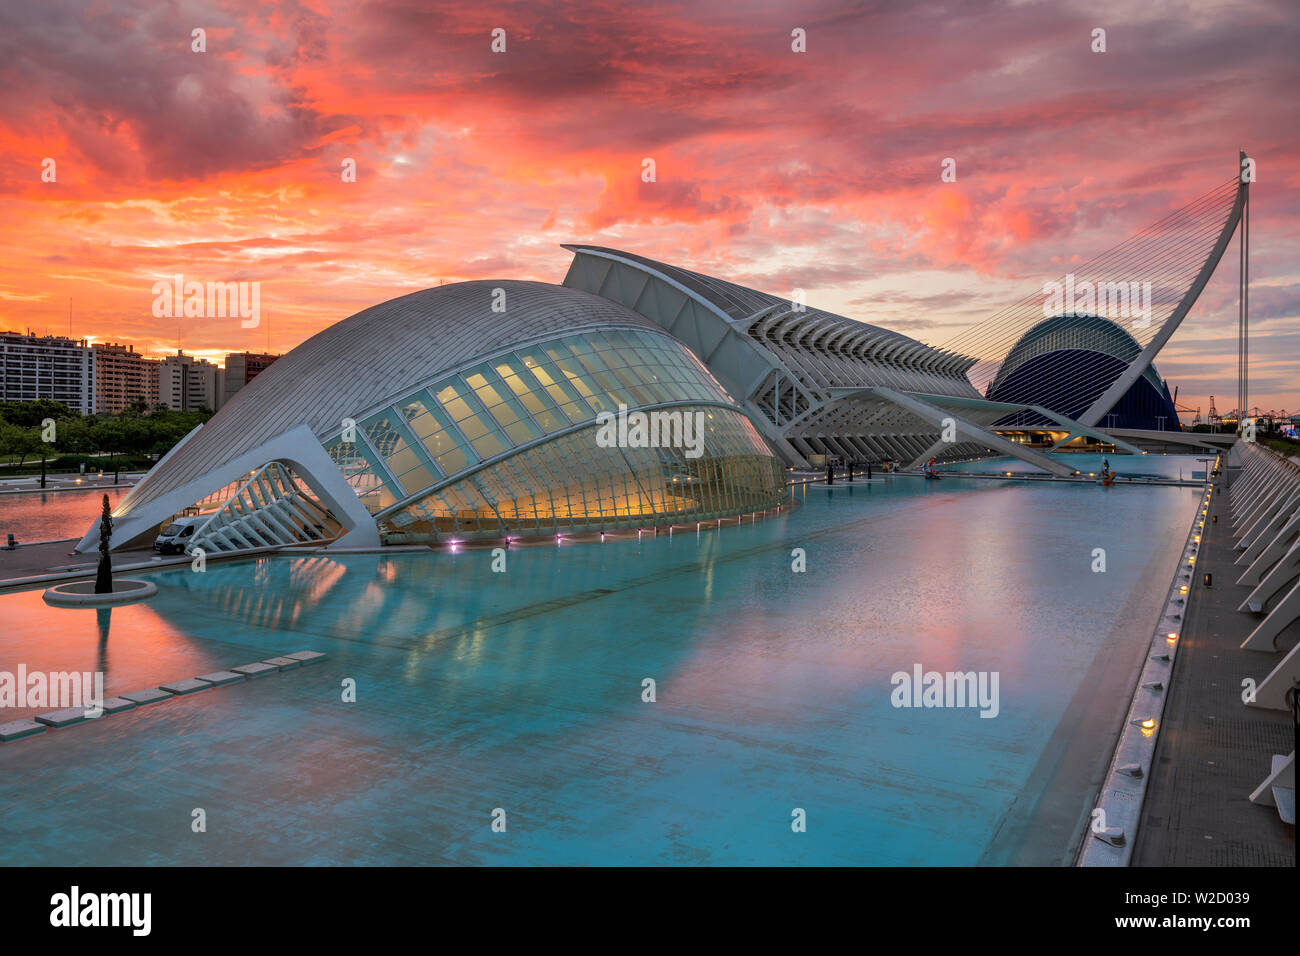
45	430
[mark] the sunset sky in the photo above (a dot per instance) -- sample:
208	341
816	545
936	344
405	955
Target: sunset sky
776	169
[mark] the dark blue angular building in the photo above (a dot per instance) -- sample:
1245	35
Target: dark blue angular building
1067	362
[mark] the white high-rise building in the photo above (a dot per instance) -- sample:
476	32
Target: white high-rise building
49	366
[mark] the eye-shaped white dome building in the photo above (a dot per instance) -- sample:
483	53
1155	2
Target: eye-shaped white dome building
473	410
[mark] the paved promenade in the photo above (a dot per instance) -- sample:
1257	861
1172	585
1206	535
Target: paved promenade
1214	750
57	557
68	482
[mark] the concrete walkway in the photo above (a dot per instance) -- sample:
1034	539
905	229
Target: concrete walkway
66	482
1213	749
58	557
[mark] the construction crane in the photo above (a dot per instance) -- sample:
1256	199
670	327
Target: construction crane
1186	408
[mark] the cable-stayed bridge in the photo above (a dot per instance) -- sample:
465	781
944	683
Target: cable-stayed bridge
1073	358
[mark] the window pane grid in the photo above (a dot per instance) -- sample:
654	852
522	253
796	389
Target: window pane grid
572	483
519	397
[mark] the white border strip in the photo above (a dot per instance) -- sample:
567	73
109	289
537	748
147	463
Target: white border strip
1122	795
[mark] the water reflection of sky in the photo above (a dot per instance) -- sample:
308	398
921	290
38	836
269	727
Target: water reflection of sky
1150	465
52	515
523	690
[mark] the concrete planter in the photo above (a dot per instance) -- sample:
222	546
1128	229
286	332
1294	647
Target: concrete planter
82	593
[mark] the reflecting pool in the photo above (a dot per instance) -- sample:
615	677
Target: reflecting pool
523	690
52	515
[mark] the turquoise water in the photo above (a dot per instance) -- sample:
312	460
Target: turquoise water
522	690
1151	465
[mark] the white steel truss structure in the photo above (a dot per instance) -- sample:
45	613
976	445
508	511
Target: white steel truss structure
269	510
816	383
823	384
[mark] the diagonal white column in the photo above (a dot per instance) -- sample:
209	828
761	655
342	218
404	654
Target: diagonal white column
938	417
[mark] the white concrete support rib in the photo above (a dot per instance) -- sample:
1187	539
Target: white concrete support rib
1078	429
1214	444
1275	486
1264	637
1265	503
269	510
1265	527
1274	582
1267	551
1282	778
299	449
1272	693
938	417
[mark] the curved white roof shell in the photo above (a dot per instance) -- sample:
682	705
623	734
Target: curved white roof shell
375	355
472	408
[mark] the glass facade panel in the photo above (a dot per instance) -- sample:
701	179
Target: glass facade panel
521	432
572	483
521	396
503	406
557	386
368	478
405	463
435	431
473	427
489	444
457	408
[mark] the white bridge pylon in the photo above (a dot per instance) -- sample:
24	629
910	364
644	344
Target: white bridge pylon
1145	286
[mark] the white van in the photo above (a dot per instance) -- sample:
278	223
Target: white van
175	538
